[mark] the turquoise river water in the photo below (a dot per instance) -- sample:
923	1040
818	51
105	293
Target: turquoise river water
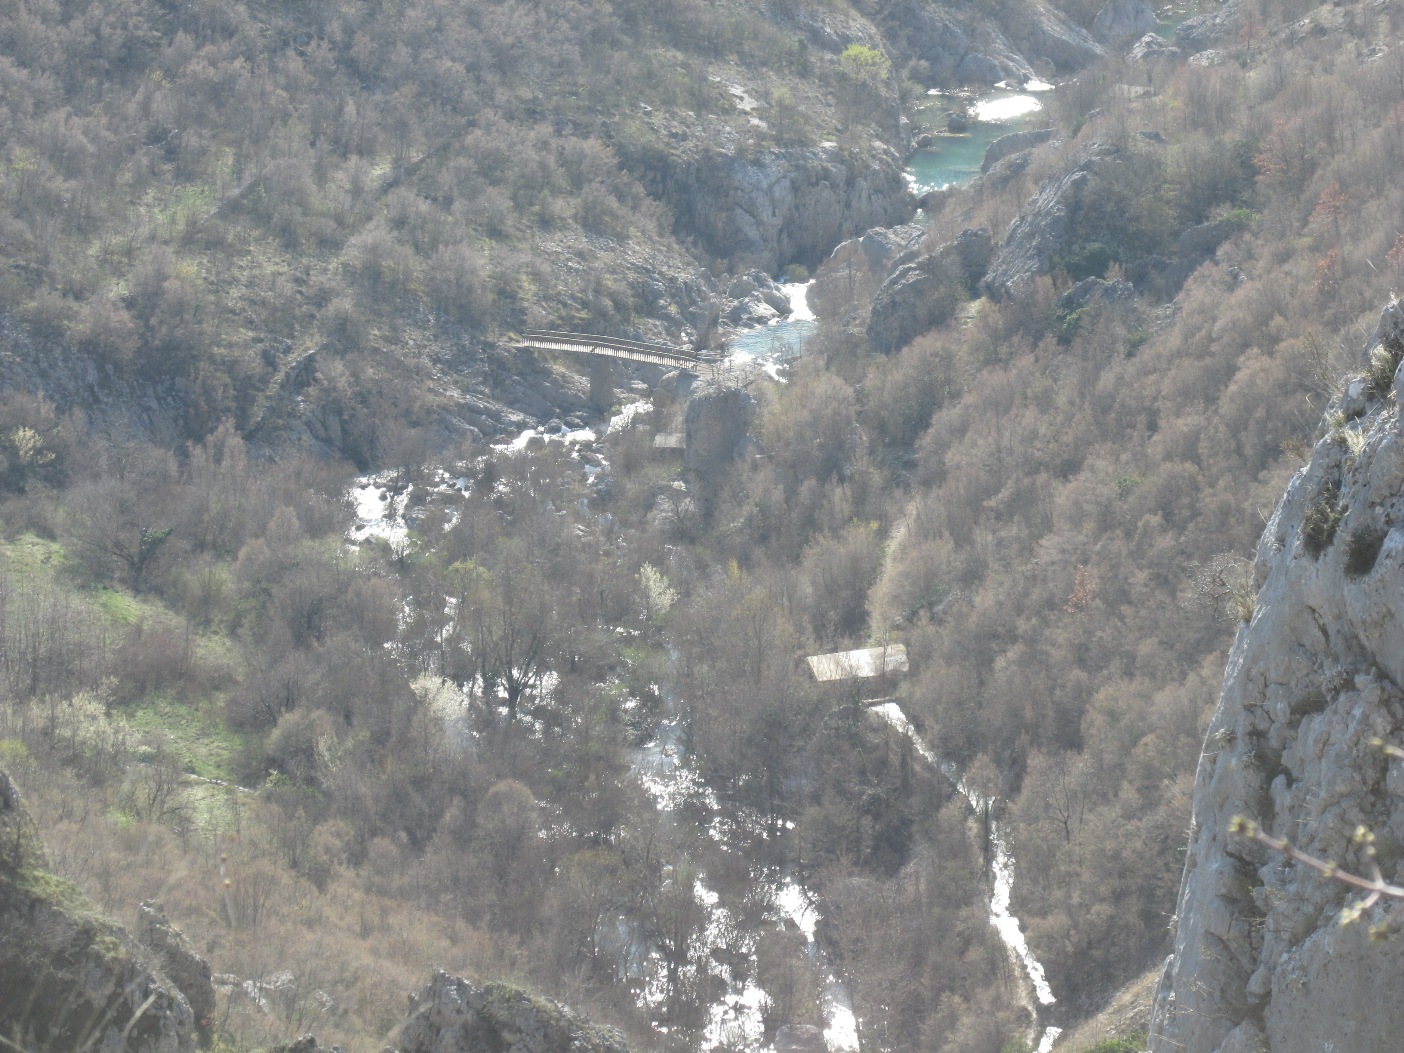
953	159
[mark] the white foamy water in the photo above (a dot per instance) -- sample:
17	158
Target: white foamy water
840	1025
625	418
1005	923
892	713
771	346
798	293
793	903
379	511
1005	109
566	435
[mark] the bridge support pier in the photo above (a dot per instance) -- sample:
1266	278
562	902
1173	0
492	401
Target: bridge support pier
602	374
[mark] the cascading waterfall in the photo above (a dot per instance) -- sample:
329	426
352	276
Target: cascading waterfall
796	903
1005	923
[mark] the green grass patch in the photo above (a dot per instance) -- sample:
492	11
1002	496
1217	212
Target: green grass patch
13	752
196	739
30	552
121	607
1129	1044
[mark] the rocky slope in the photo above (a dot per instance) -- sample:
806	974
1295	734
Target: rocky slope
966	46
775	207
1261	961
70	980
923	292
452	1015
357	283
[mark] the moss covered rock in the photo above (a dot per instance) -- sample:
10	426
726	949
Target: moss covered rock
453	1015
71	980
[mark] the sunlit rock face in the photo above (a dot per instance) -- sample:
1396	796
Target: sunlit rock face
1213	28
1046	227
966	45
1261	961
1119	22
782	205
922	293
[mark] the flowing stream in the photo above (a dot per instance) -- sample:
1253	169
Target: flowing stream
771	346
736	1019
952	160
1005	923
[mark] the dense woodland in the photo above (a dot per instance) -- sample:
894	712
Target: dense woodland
340	766
200	197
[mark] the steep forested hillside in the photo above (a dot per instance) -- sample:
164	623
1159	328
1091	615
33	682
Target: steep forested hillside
326	213
544	719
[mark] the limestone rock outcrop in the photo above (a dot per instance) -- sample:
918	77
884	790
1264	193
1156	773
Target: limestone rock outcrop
1210	29
68	978
775	207
1260	961
881	245
452	1015
1119	22
715	425
923	292
1045	228
1153	50
1037	41
1014	143
179	961
1094	291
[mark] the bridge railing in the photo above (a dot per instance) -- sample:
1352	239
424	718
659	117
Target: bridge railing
612	347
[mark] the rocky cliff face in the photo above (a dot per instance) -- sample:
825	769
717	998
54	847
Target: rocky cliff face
1046	227
775	207
967	47
1014	143
1078	221
1119	22
70	980
179	961
922	293
1211	29
1261	961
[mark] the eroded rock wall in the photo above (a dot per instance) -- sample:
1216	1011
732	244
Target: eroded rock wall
778	206
967	46
1261	963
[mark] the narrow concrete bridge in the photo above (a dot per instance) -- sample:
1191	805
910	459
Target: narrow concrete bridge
604	351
